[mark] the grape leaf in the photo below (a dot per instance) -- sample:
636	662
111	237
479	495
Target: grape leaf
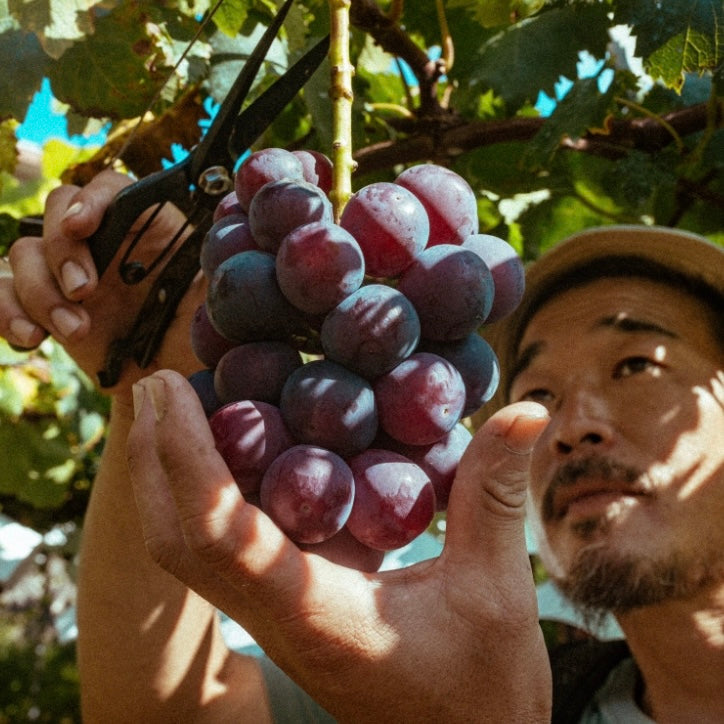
20	51
532	55
675	37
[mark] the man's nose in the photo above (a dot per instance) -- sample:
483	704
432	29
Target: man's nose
583	419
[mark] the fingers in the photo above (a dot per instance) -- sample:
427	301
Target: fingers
36	302
72	215
486	512
210	524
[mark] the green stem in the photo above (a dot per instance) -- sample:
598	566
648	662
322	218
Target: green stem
342	97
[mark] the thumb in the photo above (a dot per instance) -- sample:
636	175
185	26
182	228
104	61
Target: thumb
486	511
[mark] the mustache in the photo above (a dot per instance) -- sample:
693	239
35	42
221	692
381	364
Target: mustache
601	468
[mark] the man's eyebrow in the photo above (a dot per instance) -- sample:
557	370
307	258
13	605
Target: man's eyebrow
624	323
523	361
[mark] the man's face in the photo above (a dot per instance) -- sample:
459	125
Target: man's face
627	481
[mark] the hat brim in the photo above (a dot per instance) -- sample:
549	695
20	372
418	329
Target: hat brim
683	252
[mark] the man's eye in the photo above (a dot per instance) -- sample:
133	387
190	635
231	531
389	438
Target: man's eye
538	394
634	365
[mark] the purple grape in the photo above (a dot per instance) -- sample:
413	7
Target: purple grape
439	460
390	225
371	331
308	492
448	199
477	364
327	405
244	301
207	344
249	436
279	207
228	205
507	269
268	164
228	236
317	168
420	400
318	265
452	290
394	500
255	371
203	383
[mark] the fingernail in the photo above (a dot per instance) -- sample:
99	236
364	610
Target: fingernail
139	395
65	321
23	331
157	393
524	432
73	209
73	276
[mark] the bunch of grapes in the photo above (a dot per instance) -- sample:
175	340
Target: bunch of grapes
341	358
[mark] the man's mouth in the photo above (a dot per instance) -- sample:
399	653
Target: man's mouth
585	499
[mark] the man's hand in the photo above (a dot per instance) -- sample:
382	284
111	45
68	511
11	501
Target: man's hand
452	639
55	287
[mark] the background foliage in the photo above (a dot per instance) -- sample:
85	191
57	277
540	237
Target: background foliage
556	121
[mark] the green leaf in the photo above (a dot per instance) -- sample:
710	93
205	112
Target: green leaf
20	51
230	16
675	37
532	55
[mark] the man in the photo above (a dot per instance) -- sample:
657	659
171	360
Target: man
627	483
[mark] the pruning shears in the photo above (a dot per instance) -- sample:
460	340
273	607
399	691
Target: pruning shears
195	186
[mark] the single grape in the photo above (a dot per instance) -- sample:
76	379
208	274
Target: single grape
244	301
390	225
420	400
228	205
308	492
371	331
228	236
318	265
255	371
261	167
439	460
249	436
477	364
448	199
207	344
452	290
203	383
279	207
325	404
317	168
507	269
394	500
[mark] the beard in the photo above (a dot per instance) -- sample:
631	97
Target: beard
602	579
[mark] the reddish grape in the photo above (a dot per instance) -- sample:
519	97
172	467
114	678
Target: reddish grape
318	265
268	164
448	199
394	499
255	371
280	207
439	459
371	331
244	301
507	270
477	364
308	492
327	405
420	400
228	205
390	225
249	436
228	236
207	344
452	290
317	169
